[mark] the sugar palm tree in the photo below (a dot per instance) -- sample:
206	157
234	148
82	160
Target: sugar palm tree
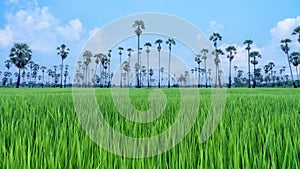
231	52
109	74
198	61
235	70
49	73
215	37
66	74
217	61
63	52
209	75
271	65
170	42
148	45
158	41
254	55
268	75
151	72
296	31
204	57
87	57
281	71
285	48
98	58
8	64
295	59
20	55
126	68
120	53
43	68
248	42
138	25
36	68
129	50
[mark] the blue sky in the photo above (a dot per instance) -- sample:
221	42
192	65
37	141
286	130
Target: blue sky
48	23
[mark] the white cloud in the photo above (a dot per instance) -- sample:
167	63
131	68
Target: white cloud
214	26
284	28
38	27
72	30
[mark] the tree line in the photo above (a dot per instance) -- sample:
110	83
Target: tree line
33	75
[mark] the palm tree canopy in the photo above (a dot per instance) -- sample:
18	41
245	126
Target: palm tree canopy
248	42
170	42
148	44
218	52
215	37
254	54
43	68
284	46
87	56
158	41
204	51
295	58
126	66
230	49
297	31
63	51
138	24
295	54
130	50
8	64
286	41
270	66
99	56
20	54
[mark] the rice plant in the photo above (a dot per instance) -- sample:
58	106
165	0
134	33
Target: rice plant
39	128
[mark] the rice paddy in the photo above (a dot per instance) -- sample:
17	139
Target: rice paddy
39	128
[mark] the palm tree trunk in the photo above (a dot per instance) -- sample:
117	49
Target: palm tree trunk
158	69
128	78
61	75
205	73
162	76
19	78
254	80
199	76
297	75
169	67
148	69
216	81
43	80
229	86
291	71
138	60
248	68
121	71
108	85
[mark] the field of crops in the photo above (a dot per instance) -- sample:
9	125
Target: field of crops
39	128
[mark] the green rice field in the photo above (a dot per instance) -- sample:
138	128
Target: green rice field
39	128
